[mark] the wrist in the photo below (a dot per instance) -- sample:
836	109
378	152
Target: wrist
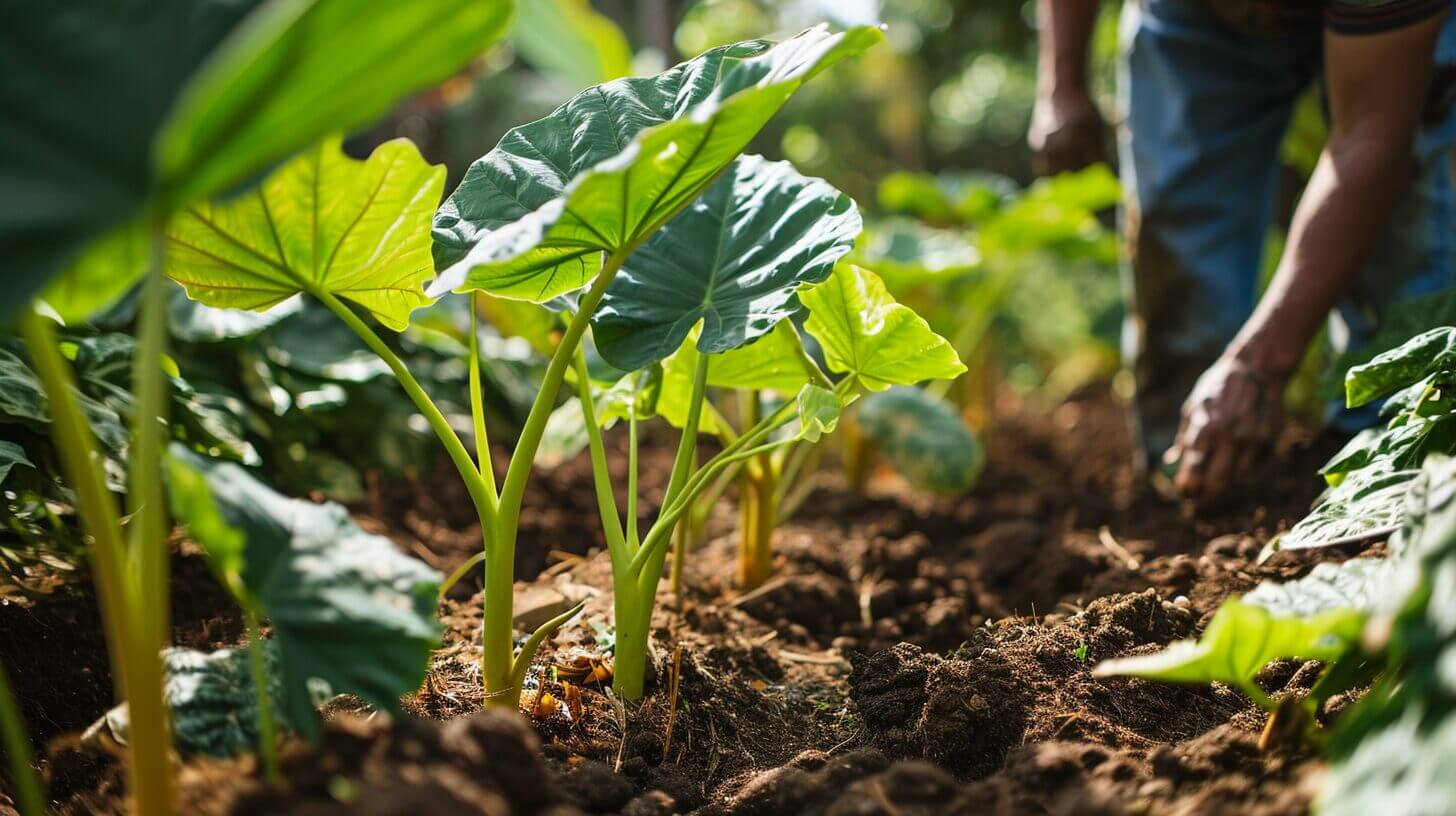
1271	359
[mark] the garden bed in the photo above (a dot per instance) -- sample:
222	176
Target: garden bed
913	655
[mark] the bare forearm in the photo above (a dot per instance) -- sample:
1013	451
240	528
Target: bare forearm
1066	35
1343	211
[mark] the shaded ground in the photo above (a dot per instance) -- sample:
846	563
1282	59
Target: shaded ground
913	656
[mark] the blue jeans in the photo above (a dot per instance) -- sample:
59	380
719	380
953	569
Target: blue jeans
1205	111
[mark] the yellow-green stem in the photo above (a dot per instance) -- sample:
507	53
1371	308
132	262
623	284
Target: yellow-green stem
267	726
29	792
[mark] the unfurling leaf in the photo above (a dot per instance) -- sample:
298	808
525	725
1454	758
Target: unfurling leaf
323	223
923	438
867	335
532	218
350	614
818	410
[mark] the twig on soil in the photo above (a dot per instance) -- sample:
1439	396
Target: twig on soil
866	594
674	680
1104	535
619	709
817	660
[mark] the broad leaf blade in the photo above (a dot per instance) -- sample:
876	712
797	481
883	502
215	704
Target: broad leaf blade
773	362
1418	358
867	335
570	40
1373	498
297	71
11	455
321	223
923	438
733	260
350	614
531	218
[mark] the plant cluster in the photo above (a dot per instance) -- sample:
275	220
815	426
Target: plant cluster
1382	622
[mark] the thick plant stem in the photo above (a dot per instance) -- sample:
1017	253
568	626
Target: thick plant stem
858	455
29	793
267	726
151	729
760	517
497	629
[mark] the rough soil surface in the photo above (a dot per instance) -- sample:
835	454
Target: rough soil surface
914	655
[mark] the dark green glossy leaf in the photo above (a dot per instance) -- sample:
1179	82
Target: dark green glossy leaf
1417	359
1369	499
864	333
1357	584
923	438
316	343
323	223
732	260
350	614
532	218
11	455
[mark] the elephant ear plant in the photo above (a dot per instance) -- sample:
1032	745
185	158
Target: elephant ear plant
556	208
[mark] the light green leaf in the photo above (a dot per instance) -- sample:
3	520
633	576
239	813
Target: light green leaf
1372	498
321	223
733	261
773	362
350	614
302	69
946	198
102	275
907	253
570	40
867	335
1354	585
193	322
1404	767
1240	640
1417	359
924	439
532	218
818	411
11	455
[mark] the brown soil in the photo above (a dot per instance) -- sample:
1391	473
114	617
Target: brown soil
914	655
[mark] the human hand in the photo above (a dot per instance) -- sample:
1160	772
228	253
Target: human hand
1066	132
1230	421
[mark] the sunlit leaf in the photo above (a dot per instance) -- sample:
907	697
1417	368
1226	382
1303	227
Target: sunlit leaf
1395	369
867	335
773	363
532	218
570	40
818	412
1372	498
102	275
323	223
733	261
1240	640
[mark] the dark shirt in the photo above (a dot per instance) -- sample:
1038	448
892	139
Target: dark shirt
1342	16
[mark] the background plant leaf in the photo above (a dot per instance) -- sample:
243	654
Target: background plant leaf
569	40
923	438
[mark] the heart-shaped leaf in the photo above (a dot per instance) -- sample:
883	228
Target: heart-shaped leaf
867	335
321	223
350	614
531	219
11	455
923	438
733	260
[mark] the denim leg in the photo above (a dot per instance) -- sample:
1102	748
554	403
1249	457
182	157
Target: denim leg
1205	109
1416	256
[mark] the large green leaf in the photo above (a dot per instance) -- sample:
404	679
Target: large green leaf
946	198
867	335
906	253
1372	498
299	70
923	438
532	218
350	614
102	275
1354	585
323	223
1403	768
733	260
1240	640
570	40
316	343
1417	359
773	362
85	85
